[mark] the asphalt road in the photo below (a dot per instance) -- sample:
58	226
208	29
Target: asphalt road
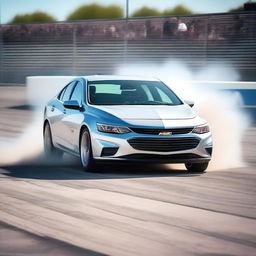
122	210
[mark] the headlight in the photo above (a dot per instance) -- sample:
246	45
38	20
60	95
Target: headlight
201	129
112	129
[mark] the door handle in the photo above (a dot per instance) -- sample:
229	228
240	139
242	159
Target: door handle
53	107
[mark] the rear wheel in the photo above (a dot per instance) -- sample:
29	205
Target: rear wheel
86	157
50	151
196	167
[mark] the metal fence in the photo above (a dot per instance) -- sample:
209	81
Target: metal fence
89	47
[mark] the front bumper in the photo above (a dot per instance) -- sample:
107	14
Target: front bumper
109	147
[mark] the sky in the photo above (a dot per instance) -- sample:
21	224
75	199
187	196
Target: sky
60	9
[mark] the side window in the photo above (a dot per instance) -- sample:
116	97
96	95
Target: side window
77	93
61	93
68	91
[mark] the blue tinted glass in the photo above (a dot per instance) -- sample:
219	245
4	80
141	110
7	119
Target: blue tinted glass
68	91
77	93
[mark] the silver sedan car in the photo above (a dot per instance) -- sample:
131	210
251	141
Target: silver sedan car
104	118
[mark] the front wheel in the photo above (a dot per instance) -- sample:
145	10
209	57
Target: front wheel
196	167
86	151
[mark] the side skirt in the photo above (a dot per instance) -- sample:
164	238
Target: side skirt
67	150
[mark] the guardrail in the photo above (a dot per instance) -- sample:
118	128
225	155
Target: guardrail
245	93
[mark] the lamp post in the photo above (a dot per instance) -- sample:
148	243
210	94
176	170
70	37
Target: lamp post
127	9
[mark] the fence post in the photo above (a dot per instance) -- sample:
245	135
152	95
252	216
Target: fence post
126	32
74	51
1	49
206	41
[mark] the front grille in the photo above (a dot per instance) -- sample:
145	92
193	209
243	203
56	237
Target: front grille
163	144
150	131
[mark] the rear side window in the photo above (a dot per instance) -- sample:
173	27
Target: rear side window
68	91
62	93
77	93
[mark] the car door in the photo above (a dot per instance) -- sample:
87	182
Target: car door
58	126
74	118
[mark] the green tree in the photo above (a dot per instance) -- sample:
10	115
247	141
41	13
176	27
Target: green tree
96	11
237	9
146	11
32	17
178	10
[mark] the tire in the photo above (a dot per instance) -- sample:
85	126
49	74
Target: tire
50	151
86	157
196	167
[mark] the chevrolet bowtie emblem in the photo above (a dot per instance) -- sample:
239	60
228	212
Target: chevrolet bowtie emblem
165	133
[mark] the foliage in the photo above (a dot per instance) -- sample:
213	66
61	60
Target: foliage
146	11
33	17
178	10
96	11
237	9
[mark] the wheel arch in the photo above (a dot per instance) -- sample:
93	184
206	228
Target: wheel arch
46	121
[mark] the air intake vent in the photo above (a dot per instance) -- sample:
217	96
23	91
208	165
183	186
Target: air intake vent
209	151
163	144
108	151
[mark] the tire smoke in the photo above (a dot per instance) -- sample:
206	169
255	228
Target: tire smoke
26	147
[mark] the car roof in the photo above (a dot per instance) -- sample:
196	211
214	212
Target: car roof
119	77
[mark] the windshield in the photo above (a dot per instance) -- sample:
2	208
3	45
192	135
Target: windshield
131	92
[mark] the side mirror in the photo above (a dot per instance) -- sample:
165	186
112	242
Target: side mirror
72	104
190	103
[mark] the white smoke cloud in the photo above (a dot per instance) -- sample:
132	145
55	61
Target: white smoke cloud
26	147
29	146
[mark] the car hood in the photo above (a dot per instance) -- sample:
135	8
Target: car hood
166	112
167	115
